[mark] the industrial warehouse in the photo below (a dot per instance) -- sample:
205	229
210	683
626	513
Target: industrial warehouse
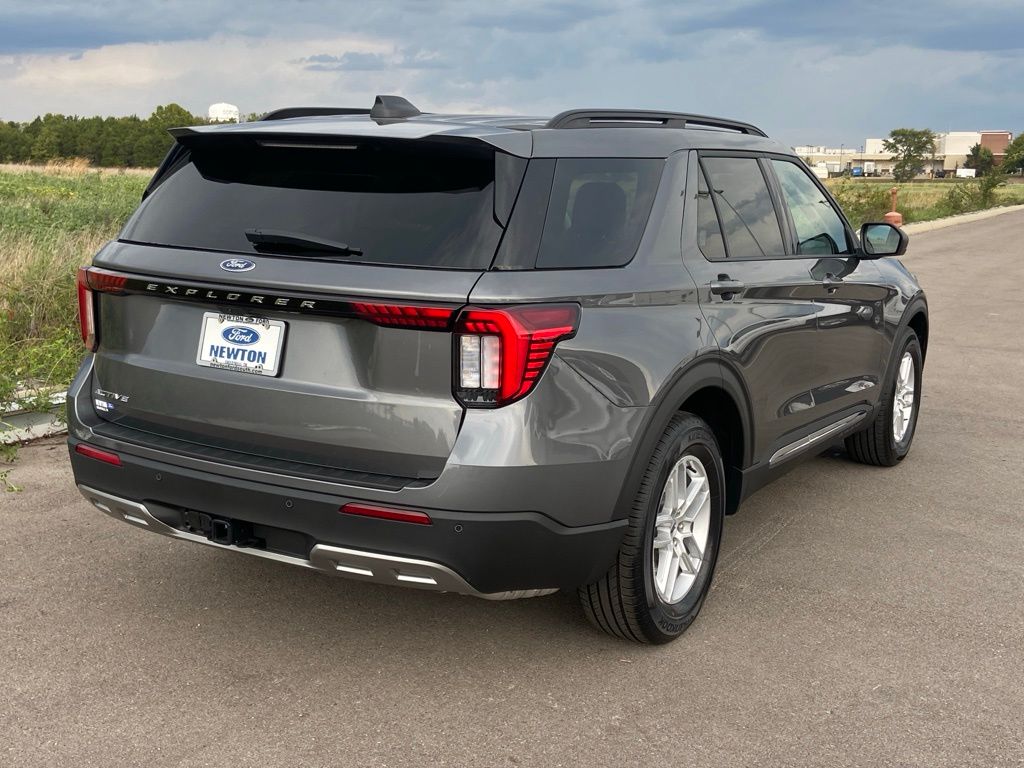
951	152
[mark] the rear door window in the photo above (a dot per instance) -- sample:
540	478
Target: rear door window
420	204
745	207
709	231
597	211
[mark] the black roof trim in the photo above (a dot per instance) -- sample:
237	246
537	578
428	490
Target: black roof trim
611	118
287	112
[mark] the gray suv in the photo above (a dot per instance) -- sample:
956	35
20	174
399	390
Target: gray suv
497	356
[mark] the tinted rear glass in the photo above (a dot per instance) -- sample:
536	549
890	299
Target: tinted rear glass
745	207
597	211
423	204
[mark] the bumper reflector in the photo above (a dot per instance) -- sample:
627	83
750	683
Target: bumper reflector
99	454
386	513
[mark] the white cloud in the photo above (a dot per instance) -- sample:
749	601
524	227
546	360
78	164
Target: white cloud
803	91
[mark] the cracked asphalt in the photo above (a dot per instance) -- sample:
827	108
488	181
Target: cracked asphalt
859	617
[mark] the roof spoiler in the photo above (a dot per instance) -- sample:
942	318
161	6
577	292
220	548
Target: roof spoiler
384	108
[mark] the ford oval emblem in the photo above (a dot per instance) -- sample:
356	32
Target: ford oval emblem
240	334
237	265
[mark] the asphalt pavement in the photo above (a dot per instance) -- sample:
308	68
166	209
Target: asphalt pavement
860	616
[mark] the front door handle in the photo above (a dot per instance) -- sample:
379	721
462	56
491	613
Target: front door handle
726	287
831	282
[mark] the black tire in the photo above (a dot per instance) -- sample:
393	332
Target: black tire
624	602
876	445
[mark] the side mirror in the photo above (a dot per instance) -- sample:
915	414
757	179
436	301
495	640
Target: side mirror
883	239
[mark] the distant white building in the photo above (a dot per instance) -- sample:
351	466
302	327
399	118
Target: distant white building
950	153
223	113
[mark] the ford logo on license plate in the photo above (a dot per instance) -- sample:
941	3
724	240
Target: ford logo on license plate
240	334
237	265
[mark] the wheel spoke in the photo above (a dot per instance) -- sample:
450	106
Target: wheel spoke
906	366
686	564
668	572
693	549
697	505
694	498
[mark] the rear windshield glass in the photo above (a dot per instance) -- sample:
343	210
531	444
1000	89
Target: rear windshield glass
422	204
597	211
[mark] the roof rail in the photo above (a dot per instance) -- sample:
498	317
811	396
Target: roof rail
606	118
286	112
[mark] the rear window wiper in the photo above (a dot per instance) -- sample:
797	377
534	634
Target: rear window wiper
295	241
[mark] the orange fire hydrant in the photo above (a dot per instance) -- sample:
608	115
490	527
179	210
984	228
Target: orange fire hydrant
893	217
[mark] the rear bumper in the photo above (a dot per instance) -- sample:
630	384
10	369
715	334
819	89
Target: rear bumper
365	566
494	555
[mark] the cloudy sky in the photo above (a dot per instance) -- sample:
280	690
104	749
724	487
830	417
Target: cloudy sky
808	71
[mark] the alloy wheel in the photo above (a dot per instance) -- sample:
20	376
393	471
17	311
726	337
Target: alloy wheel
681	529
903	398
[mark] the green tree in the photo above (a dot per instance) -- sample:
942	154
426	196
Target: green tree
15	144
911	147
155	141
1014	160
980	159
111	141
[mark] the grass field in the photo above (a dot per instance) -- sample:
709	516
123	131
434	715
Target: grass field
53	219
868	199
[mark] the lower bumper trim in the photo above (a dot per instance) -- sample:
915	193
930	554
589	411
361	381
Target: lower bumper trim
374	567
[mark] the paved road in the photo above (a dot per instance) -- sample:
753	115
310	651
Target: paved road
859	617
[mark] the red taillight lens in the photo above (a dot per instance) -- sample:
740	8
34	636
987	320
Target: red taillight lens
501	353
106	282
405	315
86	316
94	279
98	454
386	513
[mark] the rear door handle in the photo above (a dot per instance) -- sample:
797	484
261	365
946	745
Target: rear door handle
726	287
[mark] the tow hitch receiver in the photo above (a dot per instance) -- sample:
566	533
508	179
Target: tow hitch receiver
220	530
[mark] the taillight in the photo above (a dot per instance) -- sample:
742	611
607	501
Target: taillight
405	315
92	279
86	316
501	353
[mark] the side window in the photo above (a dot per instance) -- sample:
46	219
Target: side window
597	211
819	230
749	221
709	231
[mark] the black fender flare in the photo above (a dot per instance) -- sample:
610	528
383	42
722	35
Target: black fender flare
707	371
914	306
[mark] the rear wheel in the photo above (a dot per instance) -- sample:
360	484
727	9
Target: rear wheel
664	567
887	440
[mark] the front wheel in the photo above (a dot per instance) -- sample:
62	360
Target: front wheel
664	567
887	440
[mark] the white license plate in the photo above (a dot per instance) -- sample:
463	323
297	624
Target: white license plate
241	343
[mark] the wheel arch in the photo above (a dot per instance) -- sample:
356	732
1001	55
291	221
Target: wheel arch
713	392
914	317
919	323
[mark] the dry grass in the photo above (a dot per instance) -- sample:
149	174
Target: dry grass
51	222
76	166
